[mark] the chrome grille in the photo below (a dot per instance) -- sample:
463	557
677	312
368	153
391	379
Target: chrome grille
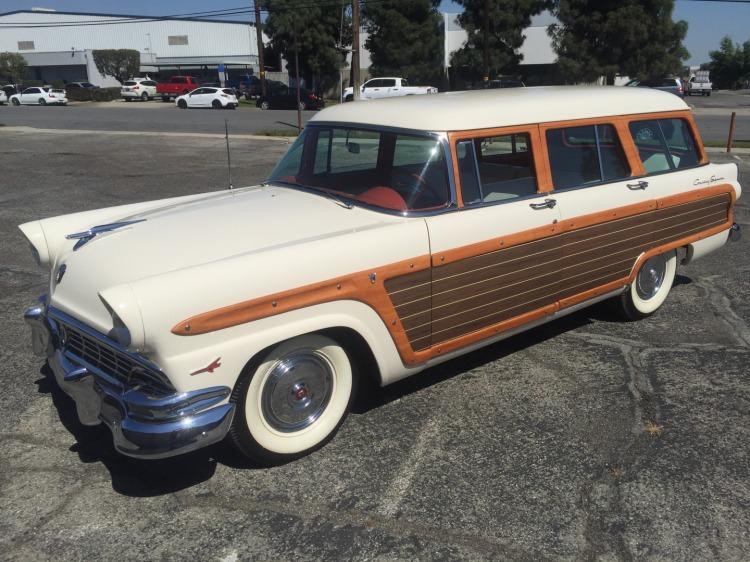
112	363
115	365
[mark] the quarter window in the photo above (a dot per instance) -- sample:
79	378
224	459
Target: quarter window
664	144
586	155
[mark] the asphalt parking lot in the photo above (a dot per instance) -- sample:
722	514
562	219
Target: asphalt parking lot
587	438
711	113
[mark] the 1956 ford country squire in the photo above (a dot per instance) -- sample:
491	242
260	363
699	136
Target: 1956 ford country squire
393	235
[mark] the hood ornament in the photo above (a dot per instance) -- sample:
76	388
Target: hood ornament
94	231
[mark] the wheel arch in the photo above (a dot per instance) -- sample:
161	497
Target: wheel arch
355	325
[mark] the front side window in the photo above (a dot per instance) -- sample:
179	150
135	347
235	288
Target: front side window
585	155
384	169
664	144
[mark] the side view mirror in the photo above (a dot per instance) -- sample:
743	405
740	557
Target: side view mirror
353	147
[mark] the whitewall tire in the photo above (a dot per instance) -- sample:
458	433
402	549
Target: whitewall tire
293	400
651	286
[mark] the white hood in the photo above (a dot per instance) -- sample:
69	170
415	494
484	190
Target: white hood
229	224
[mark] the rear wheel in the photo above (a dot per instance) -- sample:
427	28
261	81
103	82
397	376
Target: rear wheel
126	99
182	104
293	400
216	104
265	105
42	101
144	96
302	105
651	286
165	98
350	97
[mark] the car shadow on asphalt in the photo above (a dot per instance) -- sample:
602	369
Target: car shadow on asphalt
146	478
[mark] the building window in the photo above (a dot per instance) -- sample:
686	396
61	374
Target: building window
178	39
25	45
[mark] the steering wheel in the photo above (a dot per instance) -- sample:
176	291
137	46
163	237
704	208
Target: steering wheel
410	185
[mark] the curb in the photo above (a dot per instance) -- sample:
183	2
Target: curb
719	150
24	129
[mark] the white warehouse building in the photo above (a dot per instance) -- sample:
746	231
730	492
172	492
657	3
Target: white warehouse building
58	45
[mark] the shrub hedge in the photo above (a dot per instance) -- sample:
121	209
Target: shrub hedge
94	94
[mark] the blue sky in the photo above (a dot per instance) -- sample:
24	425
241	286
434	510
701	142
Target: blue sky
709	21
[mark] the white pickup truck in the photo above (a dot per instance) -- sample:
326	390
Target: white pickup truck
388	87
699	83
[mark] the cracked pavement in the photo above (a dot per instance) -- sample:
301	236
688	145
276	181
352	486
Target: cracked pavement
586	438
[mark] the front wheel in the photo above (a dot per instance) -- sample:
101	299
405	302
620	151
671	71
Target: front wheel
182	104
16	102
302	106
292	401
651	286
265	105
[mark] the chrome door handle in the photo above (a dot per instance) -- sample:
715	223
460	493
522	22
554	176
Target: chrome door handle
640	185
548	204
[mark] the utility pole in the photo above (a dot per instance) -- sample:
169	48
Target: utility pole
296	76
486	42
355	76
259	38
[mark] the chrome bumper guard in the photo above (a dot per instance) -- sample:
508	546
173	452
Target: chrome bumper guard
142	425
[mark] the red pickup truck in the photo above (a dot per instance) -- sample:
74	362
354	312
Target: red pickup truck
177	86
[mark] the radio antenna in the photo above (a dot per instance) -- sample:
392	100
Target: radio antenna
229	157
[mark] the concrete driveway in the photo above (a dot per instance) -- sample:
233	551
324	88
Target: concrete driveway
588	438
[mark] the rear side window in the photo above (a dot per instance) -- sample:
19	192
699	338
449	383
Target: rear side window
664	144
494	169
586	155
129	83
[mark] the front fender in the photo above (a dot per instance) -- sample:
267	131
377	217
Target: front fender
235	346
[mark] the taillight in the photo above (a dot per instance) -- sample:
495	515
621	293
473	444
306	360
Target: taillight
312	97
51	96
224	95
135	87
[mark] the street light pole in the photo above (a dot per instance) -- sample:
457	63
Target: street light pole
355	78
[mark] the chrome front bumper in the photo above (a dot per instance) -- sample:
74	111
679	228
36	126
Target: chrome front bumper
142	425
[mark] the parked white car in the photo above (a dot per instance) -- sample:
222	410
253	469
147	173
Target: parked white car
217	98
40	96
138	88
3	98
389	87
392	236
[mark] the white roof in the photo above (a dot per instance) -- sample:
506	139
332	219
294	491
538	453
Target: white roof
459	111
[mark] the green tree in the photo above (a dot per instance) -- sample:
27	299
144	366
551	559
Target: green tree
120	64
404	38
316	30
506	21
730	65
13	65
637	38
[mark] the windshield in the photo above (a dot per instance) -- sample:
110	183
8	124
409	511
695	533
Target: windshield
389	170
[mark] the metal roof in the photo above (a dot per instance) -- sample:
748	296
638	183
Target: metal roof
128	16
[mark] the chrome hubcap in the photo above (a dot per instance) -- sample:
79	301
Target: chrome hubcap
651	276
297	391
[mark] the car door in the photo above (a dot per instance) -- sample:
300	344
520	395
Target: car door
599	197
197	98
371	89
388	85
495	260
31	95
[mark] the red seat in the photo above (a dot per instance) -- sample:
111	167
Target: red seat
385	197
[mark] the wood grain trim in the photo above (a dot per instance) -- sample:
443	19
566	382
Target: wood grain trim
356	286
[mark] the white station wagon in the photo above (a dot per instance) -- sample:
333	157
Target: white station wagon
393	235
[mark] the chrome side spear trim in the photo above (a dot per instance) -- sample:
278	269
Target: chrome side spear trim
94	231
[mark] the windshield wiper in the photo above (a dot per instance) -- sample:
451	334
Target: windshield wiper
336	198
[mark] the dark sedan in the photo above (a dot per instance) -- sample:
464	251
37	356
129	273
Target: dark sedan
284	97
